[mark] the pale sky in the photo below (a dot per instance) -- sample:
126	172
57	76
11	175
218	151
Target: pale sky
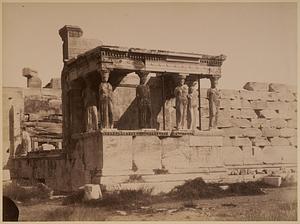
259	39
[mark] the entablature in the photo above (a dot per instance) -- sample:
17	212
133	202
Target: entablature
129	60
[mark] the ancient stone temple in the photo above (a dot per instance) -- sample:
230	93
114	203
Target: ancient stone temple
135	117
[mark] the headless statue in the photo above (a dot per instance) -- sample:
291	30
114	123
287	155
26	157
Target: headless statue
90	106
144	103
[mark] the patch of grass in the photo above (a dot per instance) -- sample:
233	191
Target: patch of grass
284	212
75	213
26	194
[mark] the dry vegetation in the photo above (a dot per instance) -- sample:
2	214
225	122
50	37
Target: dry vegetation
194	200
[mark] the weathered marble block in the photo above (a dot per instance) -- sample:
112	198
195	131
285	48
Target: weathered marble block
256	86
260	123
242	141
251	132
279	154
245	104
277	87
292	123
277	105
229	94
242	122
278	141
288	132
258	105
224	123
117	154
270	132
236	104
147	152
233	131
268	114
260	141
206	141
293	140
278	123
232	155
248	113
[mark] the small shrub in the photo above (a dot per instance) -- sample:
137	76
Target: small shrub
288	181
75	197
196	189
135	178
246	188
160	171
124	199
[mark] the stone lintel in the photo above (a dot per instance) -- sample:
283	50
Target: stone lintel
148	132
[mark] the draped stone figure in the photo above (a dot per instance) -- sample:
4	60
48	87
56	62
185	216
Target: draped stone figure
181	102
105	101
213	96
25	145
90	107
192	105
143	102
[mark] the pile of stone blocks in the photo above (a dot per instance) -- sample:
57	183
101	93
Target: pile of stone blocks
259	123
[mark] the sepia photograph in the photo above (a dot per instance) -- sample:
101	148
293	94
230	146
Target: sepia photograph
149	111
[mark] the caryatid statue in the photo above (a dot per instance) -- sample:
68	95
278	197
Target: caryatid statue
90	107
105	101
143	101
181	102
192	104
213	96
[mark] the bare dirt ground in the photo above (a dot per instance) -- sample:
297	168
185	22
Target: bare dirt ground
276	204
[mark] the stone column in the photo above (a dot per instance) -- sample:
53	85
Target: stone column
143	101
213	96
105	101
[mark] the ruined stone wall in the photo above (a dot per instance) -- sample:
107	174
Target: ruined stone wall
261	122
38	109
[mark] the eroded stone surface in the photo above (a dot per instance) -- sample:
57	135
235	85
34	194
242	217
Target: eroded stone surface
256	86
